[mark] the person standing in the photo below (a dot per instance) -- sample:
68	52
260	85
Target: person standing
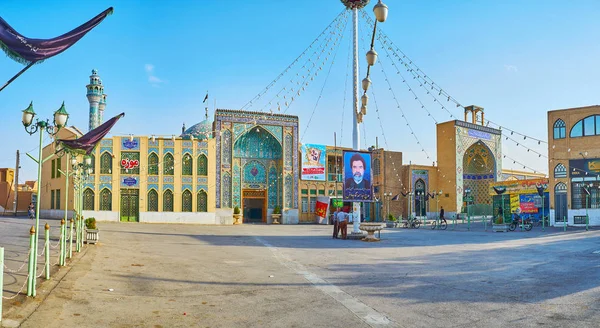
442	213
335	223
343	223
31	211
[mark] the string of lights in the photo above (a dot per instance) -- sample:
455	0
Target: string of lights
249	104
539	141
529	150
322	88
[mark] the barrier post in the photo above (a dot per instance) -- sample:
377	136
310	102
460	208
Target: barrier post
1	278
71	240
61	256
30	272
47	250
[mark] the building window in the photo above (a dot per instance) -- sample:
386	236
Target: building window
186	201
88	200
106	163
57	198
168	165
52	195
560	171
589	126
202	165
376	166
106	200
58	167
304	205
202	201
53	173
127	167
313	204
187	168
584	195
168	201
152	201
153	164
560	129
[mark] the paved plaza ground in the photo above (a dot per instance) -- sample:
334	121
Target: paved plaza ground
155	275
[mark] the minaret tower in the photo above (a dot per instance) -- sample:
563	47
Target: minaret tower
101	107
95	90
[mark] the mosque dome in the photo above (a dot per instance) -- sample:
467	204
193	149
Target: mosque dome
200	131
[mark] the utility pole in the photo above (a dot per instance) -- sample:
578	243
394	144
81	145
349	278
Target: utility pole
16	183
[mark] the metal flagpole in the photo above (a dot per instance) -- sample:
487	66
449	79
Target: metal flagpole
355	109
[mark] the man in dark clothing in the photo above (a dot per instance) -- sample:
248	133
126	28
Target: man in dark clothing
336	228
442	213
358	180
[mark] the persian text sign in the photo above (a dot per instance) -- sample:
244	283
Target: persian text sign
313	162
129	164
479	134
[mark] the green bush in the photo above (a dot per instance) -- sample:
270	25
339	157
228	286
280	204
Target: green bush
90	223
499	220
391	218
277	210
236	210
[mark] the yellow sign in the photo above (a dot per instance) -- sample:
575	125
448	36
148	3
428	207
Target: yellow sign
519	186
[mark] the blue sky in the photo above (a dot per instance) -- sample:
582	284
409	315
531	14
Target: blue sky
517	59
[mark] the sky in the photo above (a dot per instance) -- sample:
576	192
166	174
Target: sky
517	59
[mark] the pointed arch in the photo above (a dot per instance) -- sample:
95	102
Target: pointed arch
152	201
105	200
560	188
560	171
560	129
153	164
88	199
106	163
168	201
202	201
186	201
168	164
187	166
202	165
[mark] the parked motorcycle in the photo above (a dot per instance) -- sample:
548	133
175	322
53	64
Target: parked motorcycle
527	224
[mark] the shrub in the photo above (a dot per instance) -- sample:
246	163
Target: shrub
236	210
277	210
391	218
90	224
499	220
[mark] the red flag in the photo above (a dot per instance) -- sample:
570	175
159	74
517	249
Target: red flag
321	209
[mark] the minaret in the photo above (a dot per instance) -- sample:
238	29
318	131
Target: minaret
101	107
95	90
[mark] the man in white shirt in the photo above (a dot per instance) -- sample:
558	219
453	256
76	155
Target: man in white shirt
343	223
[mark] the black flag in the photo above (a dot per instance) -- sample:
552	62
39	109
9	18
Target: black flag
205	97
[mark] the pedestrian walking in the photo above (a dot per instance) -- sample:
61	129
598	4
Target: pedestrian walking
31	211
335	223
343	223
442	213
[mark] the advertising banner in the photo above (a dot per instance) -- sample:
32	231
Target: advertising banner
584	167
313	162
357	176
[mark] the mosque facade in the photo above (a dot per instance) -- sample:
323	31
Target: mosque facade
252	160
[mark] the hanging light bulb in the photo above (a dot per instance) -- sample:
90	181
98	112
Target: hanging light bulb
371	57
366	83
364	100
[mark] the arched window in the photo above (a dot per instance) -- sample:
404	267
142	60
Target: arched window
202	165
168	201
105	200
106	163
168	164
560	188
186	201
153	164
560	171
88	200
376	166
202	201
152	201
589	126
560	129
187	167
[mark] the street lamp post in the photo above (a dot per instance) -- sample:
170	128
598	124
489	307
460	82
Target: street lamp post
437	203
82	172
60	120
587	188
381	12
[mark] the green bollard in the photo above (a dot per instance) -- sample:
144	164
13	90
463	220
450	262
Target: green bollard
1	278
47	250
61	256
454	222
77	235
485	222
71	240
30	272
565	225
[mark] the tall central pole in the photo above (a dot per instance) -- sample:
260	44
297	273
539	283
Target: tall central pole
355	109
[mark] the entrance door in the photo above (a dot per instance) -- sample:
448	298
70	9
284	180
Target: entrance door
420	203
560	202
130	201
255	206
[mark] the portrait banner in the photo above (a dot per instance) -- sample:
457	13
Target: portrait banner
357	176
313	162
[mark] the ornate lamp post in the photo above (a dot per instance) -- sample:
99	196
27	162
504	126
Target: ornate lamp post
82	172
586	188
60	120
381	12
